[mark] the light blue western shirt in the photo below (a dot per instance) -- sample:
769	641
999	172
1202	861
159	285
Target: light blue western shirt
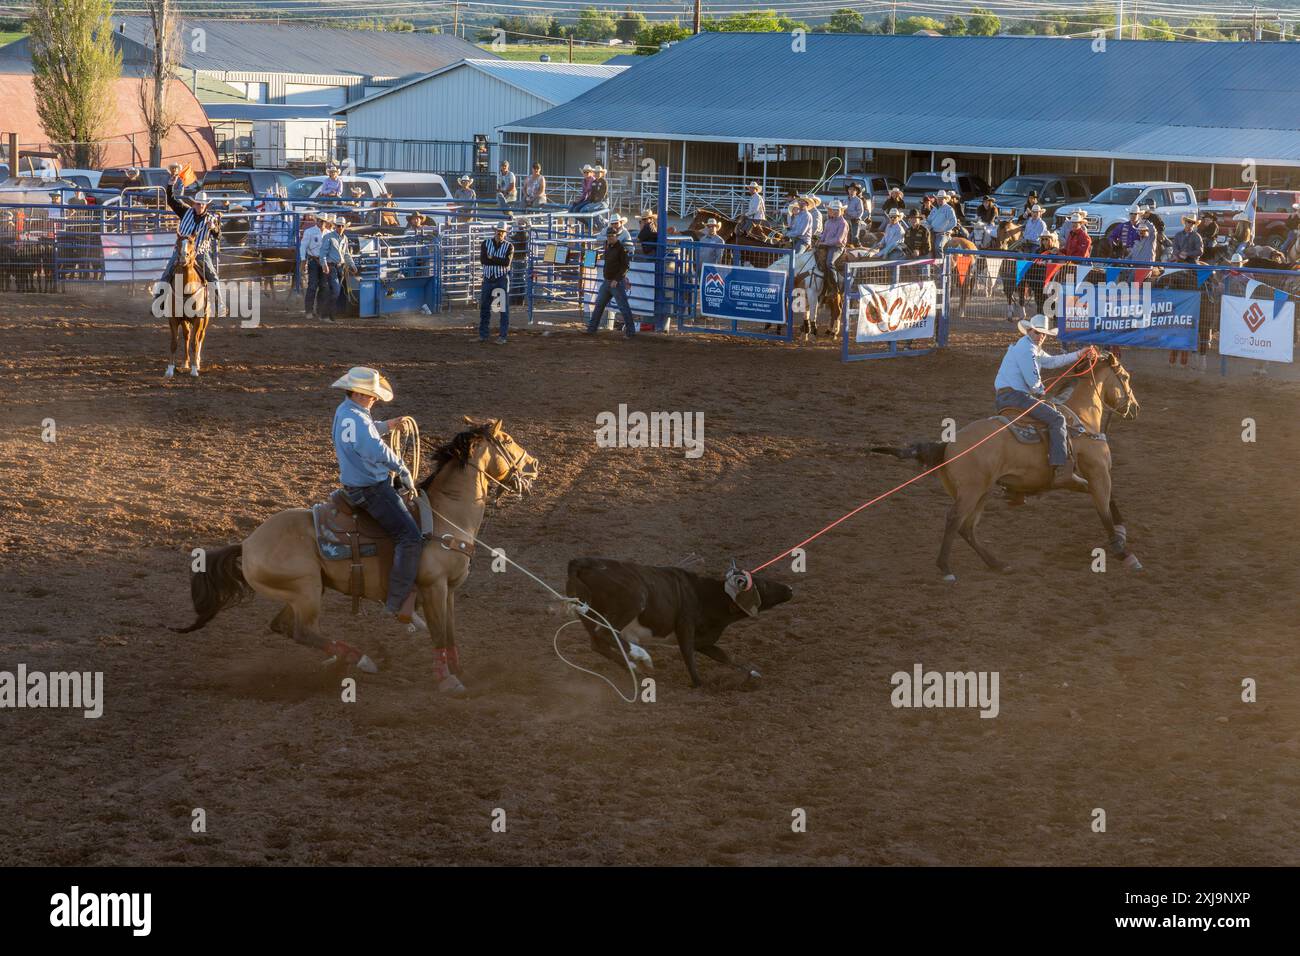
364	458
1022	366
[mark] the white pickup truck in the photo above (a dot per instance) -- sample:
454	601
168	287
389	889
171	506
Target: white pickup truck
1112	205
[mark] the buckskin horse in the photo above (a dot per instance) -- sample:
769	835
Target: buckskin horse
282	558
187	308
987	453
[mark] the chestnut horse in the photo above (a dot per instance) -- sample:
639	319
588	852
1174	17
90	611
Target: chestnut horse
188	307
969	473
280	559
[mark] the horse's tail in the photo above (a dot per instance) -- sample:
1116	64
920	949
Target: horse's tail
929	454
219	585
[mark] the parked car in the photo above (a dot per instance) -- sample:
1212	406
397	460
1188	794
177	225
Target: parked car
921	184
873	185
1112	205
1272	213
225	185
1053	190
403	185
405	195
301	190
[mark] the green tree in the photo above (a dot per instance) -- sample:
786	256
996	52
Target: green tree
955	26
846	20
595	24
983	23
1157	29
908	25
74	68
664	31
1203	28
629	25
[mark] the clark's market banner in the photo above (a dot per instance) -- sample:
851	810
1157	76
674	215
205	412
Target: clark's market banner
1150	319
890	313
743	293
1257	328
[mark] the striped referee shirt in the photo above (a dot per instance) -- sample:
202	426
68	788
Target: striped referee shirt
495	257
199	227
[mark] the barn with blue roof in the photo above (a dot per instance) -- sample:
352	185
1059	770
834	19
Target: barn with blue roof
745	104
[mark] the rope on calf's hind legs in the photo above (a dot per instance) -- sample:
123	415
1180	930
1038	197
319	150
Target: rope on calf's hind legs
583	610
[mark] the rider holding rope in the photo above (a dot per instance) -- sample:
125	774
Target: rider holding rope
1019	384
366	466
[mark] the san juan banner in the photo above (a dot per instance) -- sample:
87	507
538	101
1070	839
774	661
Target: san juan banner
891	313
1257	328
743	293
1137	316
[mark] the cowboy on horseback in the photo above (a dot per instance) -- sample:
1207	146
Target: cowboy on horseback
830	247
755	210
199	222
366	466
1019	384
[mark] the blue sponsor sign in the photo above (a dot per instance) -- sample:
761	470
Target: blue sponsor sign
739	292
1148	319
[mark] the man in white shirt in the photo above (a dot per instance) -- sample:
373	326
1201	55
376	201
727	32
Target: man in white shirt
1020	385
1035	225
941	221
309	256
755	210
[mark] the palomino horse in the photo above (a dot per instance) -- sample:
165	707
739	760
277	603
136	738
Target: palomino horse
969	473
280	558
189	309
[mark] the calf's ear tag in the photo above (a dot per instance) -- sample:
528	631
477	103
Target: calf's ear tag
740	588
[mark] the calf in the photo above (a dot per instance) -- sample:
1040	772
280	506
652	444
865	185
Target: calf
644	601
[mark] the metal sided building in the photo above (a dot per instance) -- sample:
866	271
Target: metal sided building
756	104
430	122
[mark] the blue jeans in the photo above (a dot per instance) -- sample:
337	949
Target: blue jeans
612	289
327	295
1047	414
485	306
382	502
315	286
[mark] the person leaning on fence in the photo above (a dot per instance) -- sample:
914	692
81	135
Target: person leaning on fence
495	255
614	284
800	231
309	255
755	210
507	187
535	188
1019	384
916	239
584	191
648	237
831	245
710	243
891	243
942	221
1188	244
625	237
1078	242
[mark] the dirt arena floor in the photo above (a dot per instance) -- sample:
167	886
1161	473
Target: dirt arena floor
1118	691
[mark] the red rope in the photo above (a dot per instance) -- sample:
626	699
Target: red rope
928	471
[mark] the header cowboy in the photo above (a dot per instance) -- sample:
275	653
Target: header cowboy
1019	384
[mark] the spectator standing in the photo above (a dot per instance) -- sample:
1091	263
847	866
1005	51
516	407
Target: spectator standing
1078	242
710	243
854	212
309	255
507	187
535	188
495	254
648	237
941	221
614	284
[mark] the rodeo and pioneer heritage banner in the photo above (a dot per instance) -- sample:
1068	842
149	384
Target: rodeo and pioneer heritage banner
891	313
1129	314
743	293
1257	328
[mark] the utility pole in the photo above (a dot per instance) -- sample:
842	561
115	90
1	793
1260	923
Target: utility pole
570	47
455	20
1119	21
1254	25
697	15
893	20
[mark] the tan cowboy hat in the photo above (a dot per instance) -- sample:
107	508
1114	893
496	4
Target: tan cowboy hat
1079	216
1035	208
367	381
895	213
755	186
711	222
1037	323
598	168
325	218
648	214
896	189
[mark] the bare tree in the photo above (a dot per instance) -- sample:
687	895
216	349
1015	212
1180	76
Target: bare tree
160	114
74	67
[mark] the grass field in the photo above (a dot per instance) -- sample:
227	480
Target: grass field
10	37
559	52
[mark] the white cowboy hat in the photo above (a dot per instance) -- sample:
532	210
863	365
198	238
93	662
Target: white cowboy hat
1035	208
598	168
502	226
755	186
465	179
1037	323
1241	217
895	213
618	217
586	168
1079	216
367	381
711	222
1236	259
1295	205
201	197
835	204
895	189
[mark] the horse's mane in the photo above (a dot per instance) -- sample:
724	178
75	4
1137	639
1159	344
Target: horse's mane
455	450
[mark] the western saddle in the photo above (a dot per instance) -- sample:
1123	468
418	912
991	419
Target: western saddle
345	532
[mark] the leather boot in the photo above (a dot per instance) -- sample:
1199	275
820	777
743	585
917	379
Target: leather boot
448	683
1063	476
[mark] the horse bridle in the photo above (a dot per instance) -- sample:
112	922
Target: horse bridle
1129	411
515	480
